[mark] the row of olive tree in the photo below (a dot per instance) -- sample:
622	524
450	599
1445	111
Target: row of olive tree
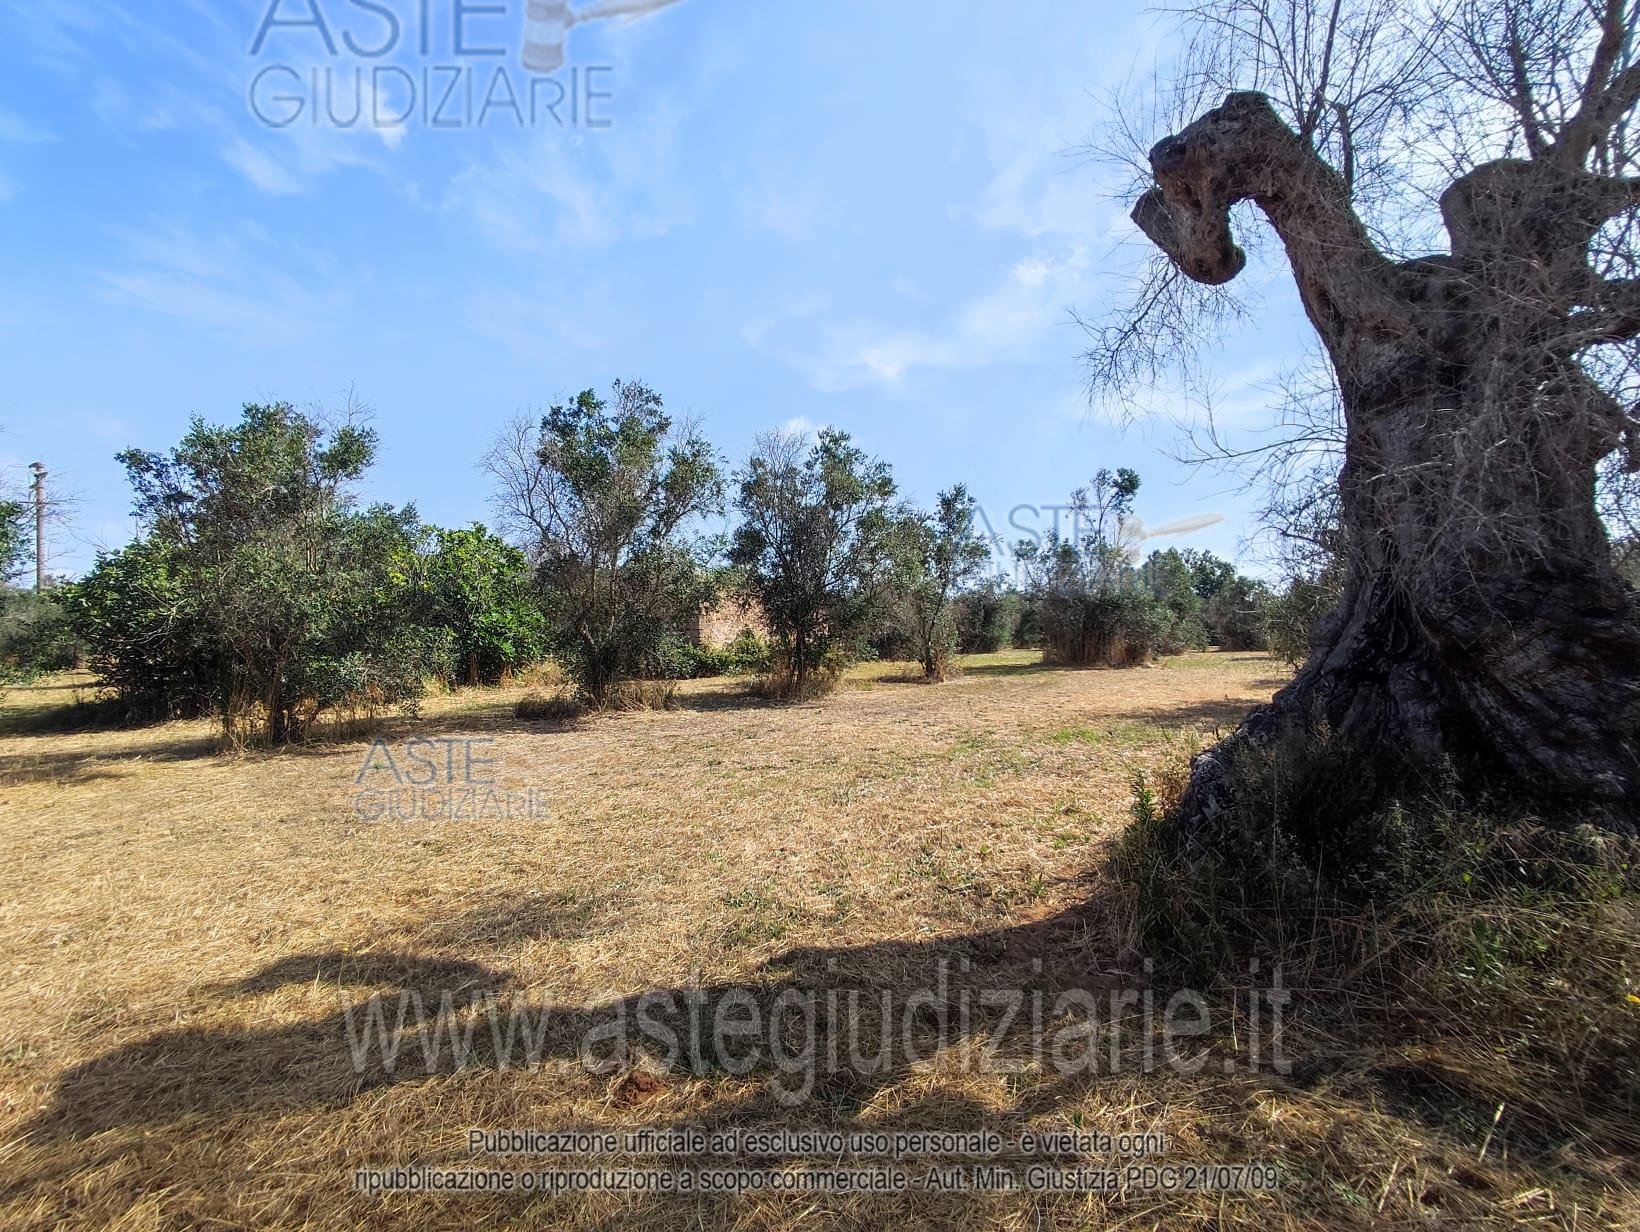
262	590
610	501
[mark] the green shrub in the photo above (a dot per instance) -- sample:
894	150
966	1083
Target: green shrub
678	658
36	636
1091	606
988	619
1235	615
261	583
1290	618
146	633
1118	626
781	679
1172	582
480	589
748	654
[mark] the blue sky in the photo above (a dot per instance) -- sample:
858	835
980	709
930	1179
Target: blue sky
872	215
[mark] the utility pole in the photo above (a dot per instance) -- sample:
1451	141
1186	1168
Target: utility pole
39	490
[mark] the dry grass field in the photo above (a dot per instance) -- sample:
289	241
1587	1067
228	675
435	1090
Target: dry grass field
187	938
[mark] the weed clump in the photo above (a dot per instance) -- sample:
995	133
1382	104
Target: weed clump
1496	952
539	707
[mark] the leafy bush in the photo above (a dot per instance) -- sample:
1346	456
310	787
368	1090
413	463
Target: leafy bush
1172	583
146	633
257	558
1230	607
1093	607
987	618
1235	615
36	637
1029	634
781	679
15	547
684	660
1121	626
1181	634
480	589
678	658
1291	617
746	655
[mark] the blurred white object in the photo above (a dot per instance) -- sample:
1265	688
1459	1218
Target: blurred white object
547	25
1132	534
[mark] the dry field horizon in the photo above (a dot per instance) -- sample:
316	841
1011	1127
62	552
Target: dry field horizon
187	936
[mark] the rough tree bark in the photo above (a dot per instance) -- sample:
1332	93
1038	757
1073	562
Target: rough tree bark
1484	641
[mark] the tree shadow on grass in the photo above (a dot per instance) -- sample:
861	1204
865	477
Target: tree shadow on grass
911	677
74	718
92	765
947	1022
1203	716
1033	668
866	1017
176	1075
723	693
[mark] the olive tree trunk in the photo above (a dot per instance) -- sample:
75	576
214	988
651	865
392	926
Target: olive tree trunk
1485	643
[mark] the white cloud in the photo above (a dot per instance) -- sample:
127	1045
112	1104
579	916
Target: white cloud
236	284
278	313
580	190
791	211
109	428
1045	184
533	327
15	129
1004	324
283	162
392	135
1040	190
261	169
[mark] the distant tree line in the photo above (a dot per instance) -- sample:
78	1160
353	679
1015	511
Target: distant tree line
35	637
262	590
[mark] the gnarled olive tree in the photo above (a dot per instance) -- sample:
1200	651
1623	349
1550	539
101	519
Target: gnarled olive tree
1485	640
